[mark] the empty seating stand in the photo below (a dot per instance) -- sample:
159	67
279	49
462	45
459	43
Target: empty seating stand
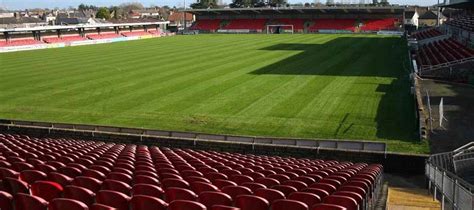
76	174
426	34
63	39
332	24
442	52
135	33
206	25
19	42
103	36
378	24
250	24
465	22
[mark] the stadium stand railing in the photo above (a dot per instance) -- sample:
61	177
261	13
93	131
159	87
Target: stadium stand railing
450	177
49	173
353	145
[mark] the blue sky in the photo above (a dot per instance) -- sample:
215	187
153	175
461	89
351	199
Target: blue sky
24	4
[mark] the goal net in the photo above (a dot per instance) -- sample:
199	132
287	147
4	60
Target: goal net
280	29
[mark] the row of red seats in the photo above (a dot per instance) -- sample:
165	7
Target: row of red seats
63	39
206	25
36	173
251	24
135	33
426	34
103	36
465	22
19	42
442	51
379	24
298	24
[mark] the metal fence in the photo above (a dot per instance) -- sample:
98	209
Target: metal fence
313	143
453	191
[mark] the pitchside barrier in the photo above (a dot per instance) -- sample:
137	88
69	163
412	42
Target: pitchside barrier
353	145
445	183
75	43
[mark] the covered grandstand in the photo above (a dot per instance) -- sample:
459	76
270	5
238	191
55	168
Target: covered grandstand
343	19
40	37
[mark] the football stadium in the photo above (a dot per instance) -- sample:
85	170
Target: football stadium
336	106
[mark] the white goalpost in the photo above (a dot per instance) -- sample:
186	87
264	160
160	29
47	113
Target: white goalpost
279	29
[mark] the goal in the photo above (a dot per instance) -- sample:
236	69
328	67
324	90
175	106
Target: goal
280	29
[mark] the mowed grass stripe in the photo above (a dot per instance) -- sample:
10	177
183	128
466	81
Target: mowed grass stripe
310	86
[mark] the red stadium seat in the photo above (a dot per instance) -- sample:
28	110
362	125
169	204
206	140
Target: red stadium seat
284	204
147	189
112	198
319	192
31	176
172	182
325	206
251	202
97	206
186	205
6	200
209	199
79	193
66	204
47	190
346	202
144	202
87	182
175	193
222	207
220	183
110	184
199	187
14	186
253	186
234	191
239	179
296	184
268	182
269	194
29	202
287	190
308	198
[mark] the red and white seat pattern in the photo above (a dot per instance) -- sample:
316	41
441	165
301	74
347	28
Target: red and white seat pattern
19	42
40	174
63	39
103	36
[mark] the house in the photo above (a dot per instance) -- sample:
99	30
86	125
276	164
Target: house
151	13
430	19
21	22
411	18
177	19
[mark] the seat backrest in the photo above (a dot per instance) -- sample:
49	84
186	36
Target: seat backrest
186	205
46	189
176	193
6	172
347	202
269	194
119	186
239	179
173	182
112	198
147	189
253	185
31	176
308	198
199	187
234	191
144	179
352	195
145	202
222	207
90	183
324	186
79	193
66	204
319	192
98	206
325	206
6	200
251	202
14	186
284	204
221	183
94	174
119	176
268	182
29	202
210	199
59	178
296	184
285	189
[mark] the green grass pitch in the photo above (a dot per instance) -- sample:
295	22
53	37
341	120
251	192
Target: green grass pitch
310	86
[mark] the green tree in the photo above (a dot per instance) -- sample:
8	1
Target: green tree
203	4
103	13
